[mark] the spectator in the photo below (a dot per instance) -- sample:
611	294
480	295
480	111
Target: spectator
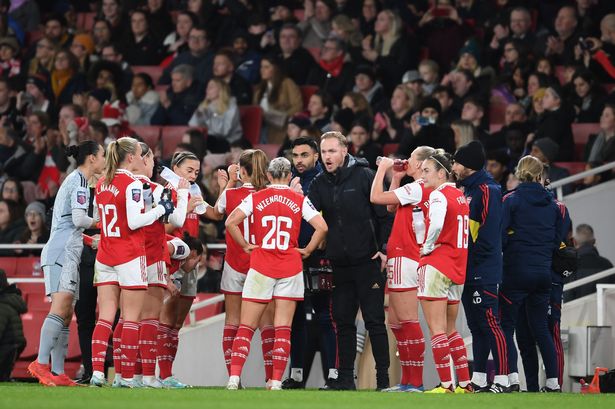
293	129
389	50
220	115
26	14
224	69
414	82
560	44
430	73
470	60
12	189
36	231
600	148
358	230
342	120
519	29
160	21
66	80
535	81
56	30
546	150
556	124
516	55
366	84
600	58
42	62
141	46
361	143
248	60
196	139
82	47
593	180
589	262
537	111
10	64
181	99
316	25
446	98
111	53
11	223
35	98
357	103
9	115
296	61
369	12
342	27
464	131
142	100
37	124
197	55
588	97
462	82
427	132
334	73
12	340
497	166
19	160
320	108
111	10
474	112
95	101
177	41
278	96
101	34
403	105
107	75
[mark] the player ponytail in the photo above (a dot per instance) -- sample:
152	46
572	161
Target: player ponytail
116	154
82	151
193	243
254	161
529	169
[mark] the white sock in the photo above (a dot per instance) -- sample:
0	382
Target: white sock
513	378
138	378
118	377
446	385
147	378
501	380
552	383
296	374
233	379
332	373
98	374
275	384
128	379
480	379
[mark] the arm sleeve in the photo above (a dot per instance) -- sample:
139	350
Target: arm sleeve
79	202
603	59
222	203
180	249
308	210
178	217
507	208
81	219
246	205
410	193
479	208
134	217
437	213
314	195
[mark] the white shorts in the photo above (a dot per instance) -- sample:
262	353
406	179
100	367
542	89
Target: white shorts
157	274
131	275
402	274
59	280
232	280
260	288
434	285
189	284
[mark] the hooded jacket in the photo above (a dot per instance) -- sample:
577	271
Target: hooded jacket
357	228
306	178
531	231
12	305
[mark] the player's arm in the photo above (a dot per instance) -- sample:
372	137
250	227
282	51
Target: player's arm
217	211
479	208
178	217
315	219
236	217
437	213
79	202
134	217
507	210
377	193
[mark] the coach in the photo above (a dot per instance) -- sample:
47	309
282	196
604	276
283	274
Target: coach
357	233
484	268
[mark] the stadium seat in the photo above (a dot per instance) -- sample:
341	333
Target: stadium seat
149	133
270	149
29	267
579	151
208	311
9	265
153	71
85	21
171	136
581	132
306	92
573	167
251	117
493	128
32	288
32	323
389	149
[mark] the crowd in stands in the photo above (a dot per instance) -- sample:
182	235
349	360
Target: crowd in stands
518	75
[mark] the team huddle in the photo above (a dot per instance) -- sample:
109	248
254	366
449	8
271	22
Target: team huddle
445	248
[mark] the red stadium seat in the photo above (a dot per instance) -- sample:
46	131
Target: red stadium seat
153	71
560	73
573	167
85	21
306	92
299	14
579	151
171	136
29	267
32	288
9	265
149	133
389	149
251	117
32	323
581	132
270	149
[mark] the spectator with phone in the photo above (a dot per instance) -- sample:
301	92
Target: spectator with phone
599	54
426	131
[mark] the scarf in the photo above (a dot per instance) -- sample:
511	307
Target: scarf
333	67
59	79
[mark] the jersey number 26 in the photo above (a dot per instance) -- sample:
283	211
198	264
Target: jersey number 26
276	237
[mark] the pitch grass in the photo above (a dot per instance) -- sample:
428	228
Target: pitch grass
25	396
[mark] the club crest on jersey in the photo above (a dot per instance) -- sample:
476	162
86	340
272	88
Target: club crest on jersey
136	195
81	199
180	251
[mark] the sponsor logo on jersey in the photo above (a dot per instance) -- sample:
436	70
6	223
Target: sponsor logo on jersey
476	298
81	199
180	251
136	195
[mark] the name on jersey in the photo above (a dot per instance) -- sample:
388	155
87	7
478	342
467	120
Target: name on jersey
461	200
108	188
278	199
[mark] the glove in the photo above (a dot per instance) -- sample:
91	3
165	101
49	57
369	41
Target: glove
168	207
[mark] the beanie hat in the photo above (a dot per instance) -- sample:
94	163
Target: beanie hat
36	207
471	47
84	40
548	147
38	80
431	102
101	94
345	117
367	70
471	155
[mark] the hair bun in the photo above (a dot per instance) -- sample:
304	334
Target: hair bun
72	151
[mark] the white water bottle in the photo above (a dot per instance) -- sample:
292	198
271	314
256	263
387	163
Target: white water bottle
170	176
195	190
418	224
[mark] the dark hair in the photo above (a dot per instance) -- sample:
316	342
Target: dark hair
56	17
82	151
19	187
276	80
100	126
73	61
442	161
147	79
197	142
190	15
42	117
193	243
202	28
294	27
305	141
477	102
179	157
109	27
77	109
228	53
326	100
242	144
443	88
14	210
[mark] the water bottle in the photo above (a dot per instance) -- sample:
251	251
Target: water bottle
399	165
148	198
166	195
195	190
418	224
170	176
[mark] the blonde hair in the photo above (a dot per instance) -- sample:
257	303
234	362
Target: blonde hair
360	102
383	43
343	141
410	95
529	169
255	162
344	23
224	99
117	151
424	152
467	132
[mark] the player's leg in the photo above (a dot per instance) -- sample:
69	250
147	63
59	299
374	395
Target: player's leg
148	333
527	350
555	315
108	303
456	344
267	339
297	352
231	285
164	344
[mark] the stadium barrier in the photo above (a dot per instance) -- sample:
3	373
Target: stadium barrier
559	184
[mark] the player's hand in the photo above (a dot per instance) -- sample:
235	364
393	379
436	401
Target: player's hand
383	259
167	205
183	184
193	203
427	249
172	288
249	247
95	241
304	253
233	173
295	185
222	179
385	163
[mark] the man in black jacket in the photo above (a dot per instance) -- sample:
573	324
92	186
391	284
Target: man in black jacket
12	340
357	233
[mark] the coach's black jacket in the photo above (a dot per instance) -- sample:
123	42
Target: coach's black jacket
357	228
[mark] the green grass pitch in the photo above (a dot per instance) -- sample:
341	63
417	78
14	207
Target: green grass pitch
25	396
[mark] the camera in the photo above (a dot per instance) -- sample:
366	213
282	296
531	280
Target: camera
585	44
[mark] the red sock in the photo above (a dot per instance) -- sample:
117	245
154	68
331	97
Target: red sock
147	345
228	335
416	351
402	349
441	357
460	359
163	350
241	349
130	348
280	352
100	342
268	338
117	350
174	334
138	363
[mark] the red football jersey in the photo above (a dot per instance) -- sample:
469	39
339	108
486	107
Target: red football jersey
450	253
403	240
238	259
191	225
277	212
116	200
155	236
